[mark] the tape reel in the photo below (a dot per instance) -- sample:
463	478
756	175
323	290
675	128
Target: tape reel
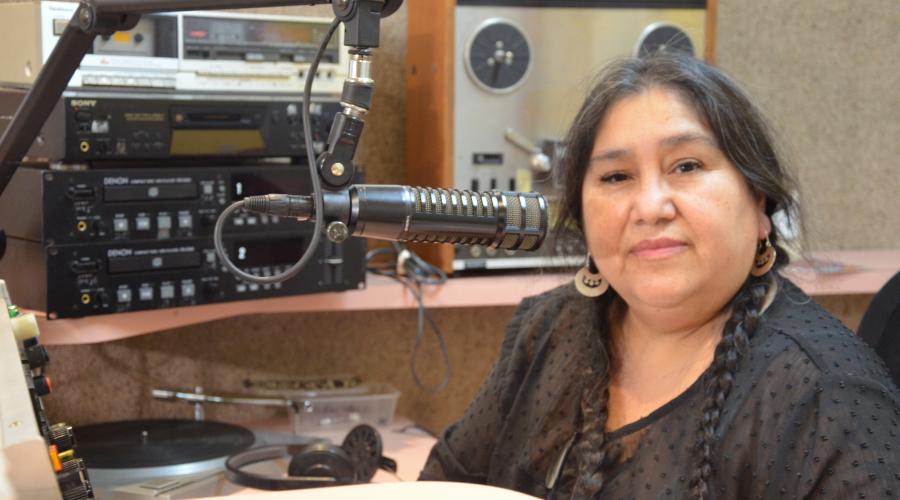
498	56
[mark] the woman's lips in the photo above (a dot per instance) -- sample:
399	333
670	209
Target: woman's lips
658	248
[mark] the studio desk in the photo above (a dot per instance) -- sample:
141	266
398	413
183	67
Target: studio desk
409	447
834	274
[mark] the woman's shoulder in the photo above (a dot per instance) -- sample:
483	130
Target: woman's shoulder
808	378
818	404
796	328
560	311
565	292
563	299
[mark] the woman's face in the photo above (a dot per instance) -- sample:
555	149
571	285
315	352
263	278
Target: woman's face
669	221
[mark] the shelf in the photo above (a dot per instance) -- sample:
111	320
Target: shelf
867	271
381	294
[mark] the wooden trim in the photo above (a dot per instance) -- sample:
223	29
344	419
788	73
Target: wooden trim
709	52
429	105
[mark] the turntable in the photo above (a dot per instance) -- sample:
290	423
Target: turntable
118	453
173	459
167	459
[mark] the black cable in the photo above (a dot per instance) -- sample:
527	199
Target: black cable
415	273
316	184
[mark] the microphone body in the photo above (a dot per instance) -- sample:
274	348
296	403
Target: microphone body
507	220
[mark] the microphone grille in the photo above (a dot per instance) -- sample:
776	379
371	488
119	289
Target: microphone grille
513	211
526	221
509	220
532	213
452	202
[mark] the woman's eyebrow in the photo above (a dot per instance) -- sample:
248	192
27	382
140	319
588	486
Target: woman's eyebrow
667	142
679	139
612	154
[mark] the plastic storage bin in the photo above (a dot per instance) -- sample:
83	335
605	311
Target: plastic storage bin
325	412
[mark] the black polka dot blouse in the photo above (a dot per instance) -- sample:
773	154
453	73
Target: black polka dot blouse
812	414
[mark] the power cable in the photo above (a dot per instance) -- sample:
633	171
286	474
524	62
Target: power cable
413	272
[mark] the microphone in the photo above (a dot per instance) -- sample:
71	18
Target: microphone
507	220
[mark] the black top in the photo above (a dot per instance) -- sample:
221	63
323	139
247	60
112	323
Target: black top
811	413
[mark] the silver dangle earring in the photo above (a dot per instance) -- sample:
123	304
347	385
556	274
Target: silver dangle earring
588	281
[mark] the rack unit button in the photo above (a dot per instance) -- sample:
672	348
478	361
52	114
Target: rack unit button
164	222
185	221
163	226
142	223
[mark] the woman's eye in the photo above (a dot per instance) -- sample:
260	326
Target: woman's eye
614	178
687	167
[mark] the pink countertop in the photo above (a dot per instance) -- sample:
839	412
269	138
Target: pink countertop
431	490
408	445
864	272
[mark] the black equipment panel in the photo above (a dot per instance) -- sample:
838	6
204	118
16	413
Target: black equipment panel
146	204
117	240
158	130
81	280
128	128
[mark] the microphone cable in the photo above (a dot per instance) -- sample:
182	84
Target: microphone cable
316	184
413	272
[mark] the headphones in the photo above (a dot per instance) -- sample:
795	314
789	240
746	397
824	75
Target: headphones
315	465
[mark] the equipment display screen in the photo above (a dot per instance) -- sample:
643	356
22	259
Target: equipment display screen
216	142
221	38
267	252
244	185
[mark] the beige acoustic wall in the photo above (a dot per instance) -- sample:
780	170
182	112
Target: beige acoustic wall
826	73
113	380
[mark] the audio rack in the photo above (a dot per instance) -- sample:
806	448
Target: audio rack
161	128
116	240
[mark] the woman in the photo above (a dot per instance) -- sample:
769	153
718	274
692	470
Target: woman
680	365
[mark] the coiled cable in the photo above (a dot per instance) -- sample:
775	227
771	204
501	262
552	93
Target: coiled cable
316	184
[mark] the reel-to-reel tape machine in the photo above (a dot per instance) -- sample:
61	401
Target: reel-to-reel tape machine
493	114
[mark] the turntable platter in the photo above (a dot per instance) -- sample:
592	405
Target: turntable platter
155	443
135	450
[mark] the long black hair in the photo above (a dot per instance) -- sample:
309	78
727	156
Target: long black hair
746	139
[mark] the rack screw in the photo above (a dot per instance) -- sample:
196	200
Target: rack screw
337	232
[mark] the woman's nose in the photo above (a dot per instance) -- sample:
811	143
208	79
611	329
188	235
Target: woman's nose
653	202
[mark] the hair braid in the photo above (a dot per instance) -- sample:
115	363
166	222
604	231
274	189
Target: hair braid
591	450
738	329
